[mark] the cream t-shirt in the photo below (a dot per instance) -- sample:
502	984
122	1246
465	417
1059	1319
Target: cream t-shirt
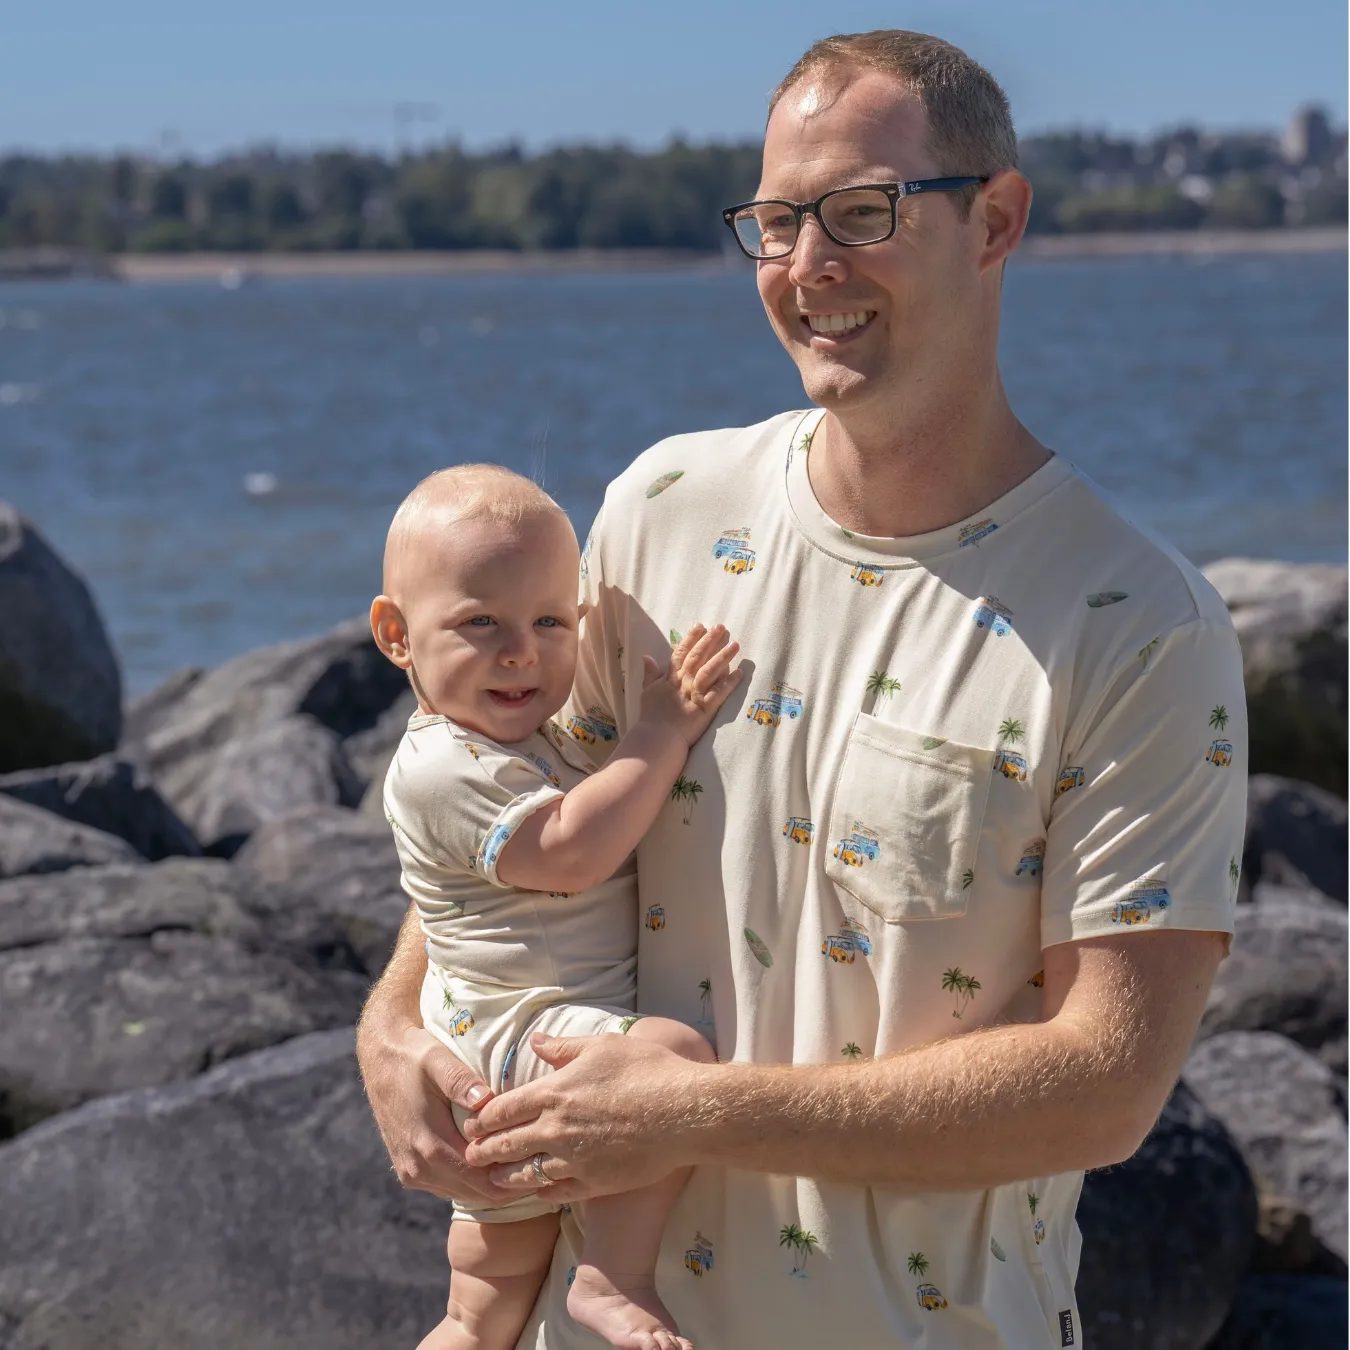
950	751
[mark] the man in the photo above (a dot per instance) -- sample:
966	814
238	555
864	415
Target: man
951	883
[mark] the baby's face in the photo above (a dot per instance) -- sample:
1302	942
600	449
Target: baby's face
492	619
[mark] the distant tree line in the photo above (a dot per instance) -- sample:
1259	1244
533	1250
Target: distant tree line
613	197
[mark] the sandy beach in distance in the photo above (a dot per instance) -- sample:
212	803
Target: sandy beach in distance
145	267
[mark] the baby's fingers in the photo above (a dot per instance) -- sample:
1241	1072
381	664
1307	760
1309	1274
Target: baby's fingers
714	668
713	698
712	639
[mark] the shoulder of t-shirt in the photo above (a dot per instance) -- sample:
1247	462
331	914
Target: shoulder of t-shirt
439	757
706	461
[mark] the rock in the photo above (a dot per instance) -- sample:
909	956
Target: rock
1287	973
1286	1243
118	977
150	710
251	1207
60	685
1166	1235
340	679
372	750
1296	836
338	864
110	794
264	775
1291	623
33	840
1279	1312
1287	1112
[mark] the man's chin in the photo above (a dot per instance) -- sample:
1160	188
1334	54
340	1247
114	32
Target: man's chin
828	384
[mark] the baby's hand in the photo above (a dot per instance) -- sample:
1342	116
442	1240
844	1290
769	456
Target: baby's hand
687	694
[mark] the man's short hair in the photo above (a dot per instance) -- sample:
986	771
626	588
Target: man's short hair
970	126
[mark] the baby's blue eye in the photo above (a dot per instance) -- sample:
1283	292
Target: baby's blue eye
548	621
481	620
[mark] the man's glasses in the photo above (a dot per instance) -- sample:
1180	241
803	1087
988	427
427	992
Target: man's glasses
851	216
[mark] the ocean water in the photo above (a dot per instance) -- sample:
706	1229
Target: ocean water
221	464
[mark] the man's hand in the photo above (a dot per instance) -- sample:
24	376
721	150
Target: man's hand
698	679
607	1121
411	1082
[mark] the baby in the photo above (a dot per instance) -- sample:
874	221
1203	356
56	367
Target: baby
518	859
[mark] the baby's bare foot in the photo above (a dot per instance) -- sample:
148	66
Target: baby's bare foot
623	1310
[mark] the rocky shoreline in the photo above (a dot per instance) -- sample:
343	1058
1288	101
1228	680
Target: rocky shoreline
197	889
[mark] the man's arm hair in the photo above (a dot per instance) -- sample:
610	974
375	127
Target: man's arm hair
1078	1090
394	1002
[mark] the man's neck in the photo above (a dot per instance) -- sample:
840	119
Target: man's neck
912	470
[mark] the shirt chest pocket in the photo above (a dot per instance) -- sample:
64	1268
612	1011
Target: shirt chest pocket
905	821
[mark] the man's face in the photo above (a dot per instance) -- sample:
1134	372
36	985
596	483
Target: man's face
917	294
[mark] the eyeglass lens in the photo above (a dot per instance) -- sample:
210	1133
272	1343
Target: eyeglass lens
853	216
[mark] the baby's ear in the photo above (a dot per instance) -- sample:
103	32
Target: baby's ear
389	630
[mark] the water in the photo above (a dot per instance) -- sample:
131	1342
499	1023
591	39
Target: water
222	464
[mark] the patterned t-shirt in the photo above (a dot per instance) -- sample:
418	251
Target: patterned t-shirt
950	751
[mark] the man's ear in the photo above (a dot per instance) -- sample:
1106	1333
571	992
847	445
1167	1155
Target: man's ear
583	609
390	632
1006	202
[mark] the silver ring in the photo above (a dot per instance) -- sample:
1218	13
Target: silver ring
542	1177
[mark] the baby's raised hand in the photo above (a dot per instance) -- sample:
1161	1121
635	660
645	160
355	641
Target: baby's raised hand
687	694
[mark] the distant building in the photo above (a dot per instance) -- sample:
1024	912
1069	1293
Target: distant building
1308	138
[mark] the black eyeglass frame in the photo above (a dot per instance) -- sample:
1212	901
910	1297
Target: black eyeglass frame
893	191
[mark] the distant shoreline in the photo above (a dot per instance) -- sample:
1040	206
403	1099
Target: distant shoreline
235	268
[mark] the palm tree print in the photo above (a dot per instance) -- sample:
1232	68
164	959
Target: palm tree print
852	1051
1218	717
686	790
1234	871
881	685
704	998
956	981
917	1263
1032	1202
803	1243
967	878
1011	730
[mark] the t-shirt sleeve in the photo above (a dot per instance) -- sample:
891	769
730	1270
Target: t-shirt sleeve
460	800
1149	810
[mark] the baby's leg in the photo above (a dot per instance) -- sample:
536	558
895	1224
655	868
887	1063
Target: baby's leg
614	1293
496	1272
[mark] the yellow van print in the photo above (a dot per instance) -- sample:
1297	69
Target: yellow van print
858	846
1145	899
1033	859
1011	765
845	945
930	1298
783	701
656	917
799	829
993	614
867	576
545	768
592	725
974	532
462	1023
1220	754
699	1257
734	547
1070	777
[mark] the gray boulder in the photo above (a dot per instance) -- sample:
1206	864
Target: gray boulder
150	710
251	1207
1287	973
1296	836
1166	1235
34	840
1291	623
118	977
340	680
110	794
263	775
339	864
1287	1112
1281	1312
372	750
60	685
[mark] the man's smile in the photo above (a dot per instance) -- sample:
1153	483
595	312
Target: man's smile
842	326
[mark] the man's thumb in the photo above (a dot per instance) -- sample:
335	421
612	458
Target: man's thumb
457	1082
556	1050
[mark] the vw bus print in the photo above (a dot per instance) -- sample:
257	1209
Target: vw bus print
1138	907
1011	765
494	844
1033	858
463	1023
975	531
799	829
656	917
1070	777
1220	754
993	614
592	725
699	1257
867	576
845	945
858	846
784	701
734	547
930	1298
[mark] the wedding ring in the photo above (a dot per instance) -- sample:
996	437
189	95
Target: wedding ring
542	1177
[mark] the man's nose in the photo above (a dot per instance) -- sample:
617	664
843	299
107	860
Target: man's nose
816	257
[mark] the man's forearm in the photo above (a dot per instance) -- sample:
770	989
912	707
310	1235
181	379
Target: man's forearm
976	1111
393	1004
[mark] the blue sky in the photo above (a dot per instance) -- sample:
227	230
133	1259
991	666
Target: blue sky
149	75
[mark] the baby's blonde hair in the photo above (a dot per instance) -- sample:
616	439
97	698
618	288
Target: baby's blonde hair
466	492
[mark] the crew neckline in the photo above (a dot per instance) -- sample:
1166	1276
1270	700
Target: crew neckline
906	551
